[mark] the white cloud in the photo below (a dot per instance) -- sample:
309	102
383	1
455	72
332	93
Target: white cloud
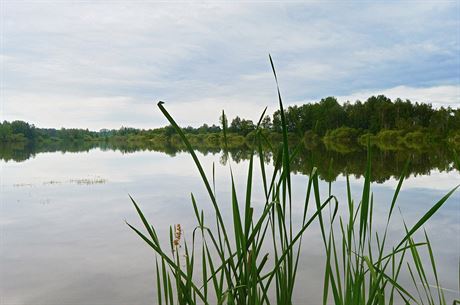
73	111
210	56
438	95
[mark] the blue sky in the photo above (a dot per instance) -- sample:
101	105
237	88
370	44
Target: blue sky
96	64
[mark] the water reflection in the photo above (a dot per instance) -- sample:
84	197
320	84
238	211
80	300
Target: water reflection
66	243
332	160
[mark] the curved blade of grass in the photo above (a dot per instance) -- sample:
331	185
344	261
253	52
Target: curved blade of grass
284	126
427	216
398	188
366	196
149	228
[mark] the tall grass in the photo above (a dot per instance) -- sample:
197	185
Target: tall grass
237	268
359	269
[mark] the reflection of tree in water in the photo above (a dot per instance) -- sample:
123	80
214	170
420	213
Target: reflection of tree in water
22	151
17	152
386	164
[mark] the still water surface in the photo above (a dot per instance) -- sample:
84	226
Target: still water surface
64	240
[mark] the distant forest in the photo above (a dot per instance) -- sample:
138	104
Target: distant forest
326	120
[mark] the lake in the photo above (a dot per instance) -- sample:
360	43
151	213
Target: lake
64	239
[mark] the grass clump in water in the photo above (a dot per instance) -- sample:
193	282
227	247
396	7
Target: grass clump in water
360	269
238	270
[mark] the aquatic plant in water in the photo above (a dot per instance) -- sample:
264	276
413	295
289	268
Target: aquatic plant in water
237	268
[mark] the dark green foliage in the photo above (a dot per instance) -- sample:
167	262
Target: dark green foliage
342	134
241	126
17	131
375	114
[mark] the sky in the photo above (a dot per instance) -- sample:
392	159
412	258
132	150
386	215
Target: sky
105	64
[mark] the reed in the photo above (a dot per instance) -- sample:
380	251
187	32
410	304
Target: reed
360	268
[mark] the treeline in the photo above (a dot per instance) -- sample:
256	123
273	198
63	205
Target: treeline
378	117
377	113
23	132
